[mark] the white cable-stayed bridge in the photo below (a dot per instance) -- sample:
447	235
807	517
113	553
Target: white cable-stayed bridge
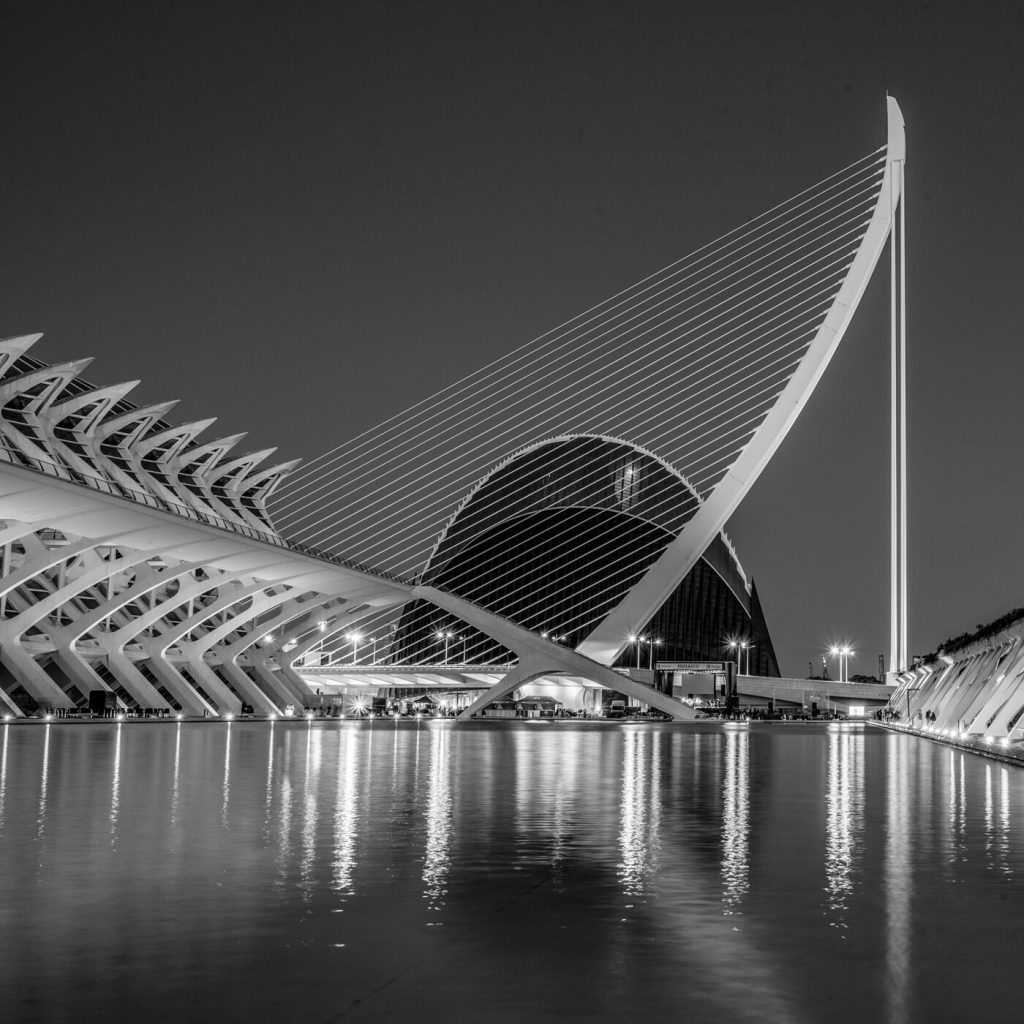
550	512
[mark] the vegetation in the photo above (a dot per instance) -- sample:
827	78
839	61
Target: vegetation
981	632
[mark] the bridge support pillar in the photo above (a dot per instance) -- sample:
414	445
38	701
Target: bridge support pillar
250	692
27	671
512	679
539	656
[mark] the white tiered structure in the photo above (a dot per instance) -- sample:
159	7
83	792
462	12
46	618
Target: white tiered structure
136	557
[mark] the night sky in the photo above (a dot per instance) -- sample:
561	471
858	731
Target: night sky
303	217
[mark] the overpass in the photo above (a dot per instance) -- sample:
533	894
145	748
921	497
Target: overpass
804	692
482	679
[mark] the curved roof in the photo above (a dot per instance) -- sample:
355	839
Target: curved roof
574	473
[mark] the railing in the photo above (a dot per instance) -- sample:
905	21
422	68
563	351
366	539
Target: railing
358	668
94	482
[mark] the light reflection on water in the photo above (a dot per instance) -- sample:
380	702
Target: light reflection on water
346	821
3	775
639	832
436	862
844	809
43	783
115	785
898	879
735	820
320	871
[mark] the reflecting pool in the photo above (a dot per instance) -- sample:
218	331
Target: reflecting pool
532	871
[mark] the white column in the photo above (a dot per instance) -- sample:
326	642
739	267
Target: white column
898	659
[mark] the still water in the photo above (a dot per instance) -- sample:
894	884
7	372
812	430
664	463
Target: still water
505	872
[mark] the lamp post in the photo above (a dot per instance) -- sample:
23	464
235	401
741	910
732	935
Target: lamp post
745	645
445	635
910	690
651	644
842	652
354	638
734	645
636	641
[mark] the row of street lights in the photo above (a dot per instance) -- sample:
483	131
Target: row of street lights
447	636
442	635
741	646
355	639
651	641
842	652
741	649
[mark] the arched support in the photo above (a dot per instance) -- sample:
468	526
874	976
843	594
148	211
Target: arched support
543	656
609	639
512	680
31	675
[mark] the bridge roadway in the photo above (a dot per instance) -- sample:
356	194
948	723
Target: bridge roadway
802	692
342	678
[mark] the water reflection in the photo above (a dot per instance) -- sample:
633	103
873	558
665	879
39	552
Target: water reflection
735	820
345	817
997	820
1004	819
898	878
639	829
957	809
115	786
844	803
268	799
3	776
311	810
566	768
439	820
43	781
175	779
284	813
226	784
792	867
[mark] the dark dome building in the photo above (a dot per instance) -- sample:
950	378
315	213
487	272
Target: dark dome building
556	536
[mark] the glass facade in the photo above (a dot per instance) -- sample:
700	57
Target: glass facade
556	537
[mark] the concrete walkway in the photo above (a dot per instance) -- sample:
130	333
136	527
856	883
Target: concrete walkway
1008	753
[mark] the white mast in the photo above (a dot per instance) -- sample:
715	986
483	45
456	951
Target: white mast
898	661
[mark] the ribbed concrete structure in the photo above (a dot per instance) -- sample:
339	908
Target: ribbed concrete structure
974	692
139	558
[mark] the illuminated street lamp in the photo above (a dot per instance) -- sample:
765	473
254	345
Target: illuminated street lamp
354	639
734	645
637	641
651	644
842	652
746	645
445	635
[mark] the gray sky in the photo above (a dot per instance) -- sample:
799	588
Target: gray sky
302	217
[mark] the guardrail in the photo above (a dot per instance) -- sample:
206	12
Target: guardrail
116	489
380	668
